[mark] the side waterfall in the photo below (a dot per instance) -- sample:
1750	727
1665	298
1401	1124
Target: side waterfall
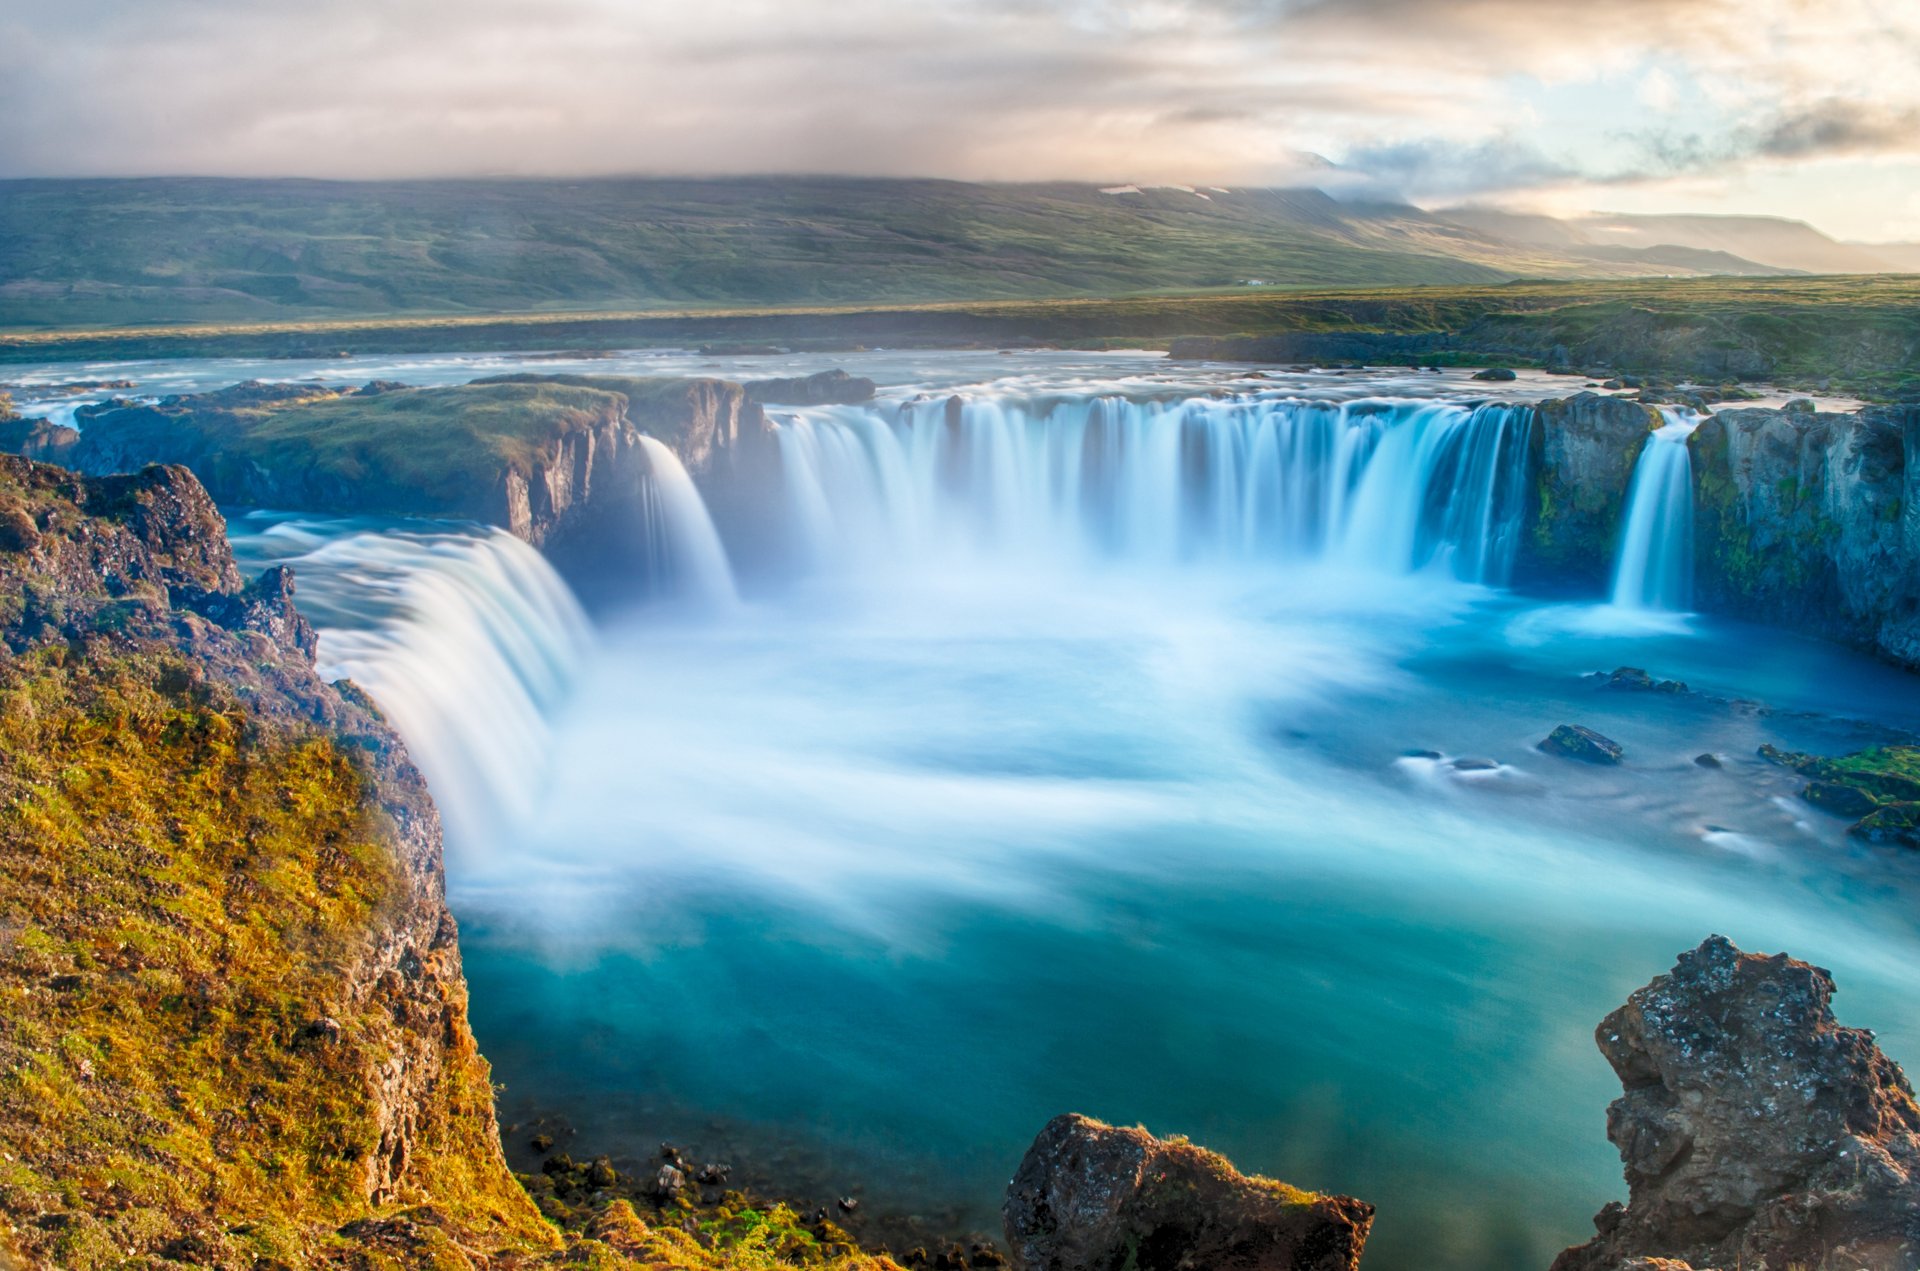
1654	568
685	559
467	640
1387	484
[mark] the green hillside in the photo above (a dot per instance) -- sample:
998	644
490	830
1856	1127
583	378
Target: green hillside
113	252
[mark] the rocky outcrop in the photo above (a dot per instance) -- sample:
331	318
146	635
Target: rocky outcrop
824	388
121	597
1812	519
1757	1133
1094	1197
1584	451
554	460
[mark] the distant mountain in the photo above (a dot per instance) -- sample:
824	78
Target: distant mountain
110	252
1717	244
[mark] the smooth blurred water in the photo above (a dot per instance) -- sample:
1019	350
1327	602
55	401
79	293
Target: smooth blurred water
862	880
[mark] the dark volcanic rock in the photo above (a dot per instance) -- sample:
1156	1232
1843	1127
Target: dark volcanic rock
1499	374
1573	741
825	388
1091	1197
1810	519
1756	1132
1585	450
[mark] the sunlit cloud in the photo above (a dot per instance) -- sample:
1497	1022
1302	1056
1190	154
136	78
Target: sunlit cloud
1433	100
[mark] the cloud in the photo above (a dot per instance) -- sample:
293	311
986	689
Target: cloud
1440	168
1431	98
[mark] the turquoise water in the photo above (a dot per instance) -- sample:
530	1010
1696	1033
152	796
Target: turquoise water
981	806
874	888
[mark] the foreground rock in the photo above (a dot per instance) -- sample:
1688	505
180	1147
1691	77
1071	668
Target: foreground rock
1756	1132
1093	1197
1575	741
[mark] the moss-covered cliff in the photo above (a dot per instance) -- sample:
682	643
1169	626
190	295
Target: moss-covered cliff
234	1030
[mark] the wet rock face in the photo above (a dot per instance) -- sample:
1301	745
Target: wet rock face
1587	446
1755	1131
1808	518
1093	1197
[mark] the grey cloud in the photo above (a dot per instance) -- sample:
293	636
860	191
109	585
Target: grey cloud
1432	167
1839	127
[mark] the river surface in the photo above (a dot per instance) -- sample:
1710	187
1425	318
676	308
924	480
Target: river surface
1020	785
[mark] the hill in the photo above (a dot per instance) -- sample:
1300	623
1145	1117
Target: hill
115	252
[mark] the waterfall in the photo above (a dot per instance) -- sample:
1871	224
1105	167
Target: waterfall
1654	568
1387	484
466	640
685	559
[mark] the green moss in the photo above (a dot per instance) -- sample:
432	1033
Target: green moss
183	888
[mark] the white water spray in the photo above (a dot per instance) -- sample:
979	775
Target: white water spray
1654	567
467	641
1389	484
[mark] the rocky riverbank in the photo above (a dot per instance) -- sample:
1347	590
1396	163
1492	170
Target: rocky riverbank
554	460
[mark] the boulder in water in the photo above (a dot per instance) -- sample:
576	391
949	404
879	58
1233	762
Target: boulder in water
1755	1131
1089	1196
1496	373
1891	825
1574	741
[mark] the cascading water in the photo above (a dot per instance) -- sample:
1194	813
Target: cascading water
685	559
467	640
1654	568
1394	485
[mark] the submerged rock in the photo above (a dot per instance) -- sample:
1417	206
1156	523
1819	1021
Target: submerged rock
1574	741
1093	1197
1497	373
1755	1131
1891	825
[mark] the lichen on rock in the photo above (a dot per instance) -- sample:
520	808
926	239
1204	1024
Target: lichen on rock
1094	1197
1756	1132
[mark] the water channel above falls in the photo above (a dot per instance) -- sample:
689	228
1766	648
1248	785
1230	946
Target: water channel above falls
1027	777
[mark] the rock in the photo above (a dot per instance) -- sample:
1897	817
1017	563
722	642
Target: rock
541	1143
1709	760
1091	1197
1496	373
713	1174
1755	1131
1838	799
1800	406
1475	765
847	1204
1633	679
826	388
1892	825
668	1182
1573	741
1584	451
1421	754
1810	520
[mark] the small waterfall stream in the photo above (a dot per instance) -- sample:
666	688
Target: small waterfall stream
1393	485
1654	567
686	560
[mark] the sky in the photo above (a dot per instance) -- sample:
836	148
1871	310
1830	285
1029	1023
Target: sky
1801	108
